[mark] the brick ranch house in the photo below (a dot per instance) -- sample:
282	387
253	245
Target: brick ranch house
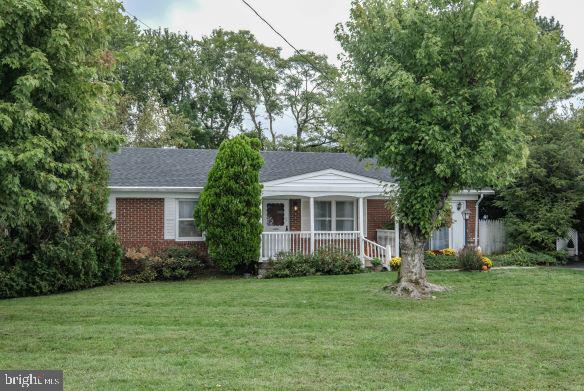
309	200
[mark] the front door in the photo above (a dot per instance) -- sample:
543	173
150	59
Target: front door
457	229
276	215
276	221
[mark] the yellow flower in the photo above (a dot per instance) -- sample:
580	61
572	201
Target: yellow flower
449	251
487	262
395	262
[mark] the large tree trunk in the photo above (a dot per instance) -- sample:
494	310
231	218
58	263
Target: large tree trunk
412	274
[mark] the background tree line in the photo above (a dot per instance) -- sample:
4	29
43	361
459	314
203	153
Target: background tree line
177	91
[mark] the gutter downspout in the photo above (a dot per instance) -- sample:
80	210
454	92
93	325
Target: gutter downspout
476	238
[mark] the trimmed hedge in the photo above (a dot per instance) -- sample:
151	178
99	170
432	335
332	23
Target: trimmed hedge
521	257
326	261
440	262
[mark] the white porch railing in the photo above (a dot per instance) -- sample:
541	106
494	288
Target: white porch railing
274	243
372	250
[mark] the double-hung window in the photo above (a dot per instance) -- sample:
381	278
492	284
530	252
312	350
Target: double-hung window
323	220
334	216
344	216
186	221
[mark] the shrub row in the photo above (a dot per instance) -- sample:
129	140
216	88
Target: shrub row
440	262
522	257
327	261
70	263
140	265
470	261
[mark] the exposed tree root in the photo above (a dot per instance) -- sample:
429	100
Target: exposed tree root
413	290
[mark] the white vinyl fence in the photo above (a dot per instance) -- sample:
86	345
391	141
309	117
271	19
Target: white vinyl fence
492	236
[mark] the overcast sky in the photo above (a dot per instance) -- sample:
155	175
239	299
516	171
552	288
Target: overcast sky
308	24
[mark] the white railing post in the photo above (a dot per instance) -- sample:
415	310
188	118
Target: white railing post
388	255
311	225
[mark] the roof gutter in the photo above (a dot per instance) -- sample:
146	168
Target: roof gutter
155	189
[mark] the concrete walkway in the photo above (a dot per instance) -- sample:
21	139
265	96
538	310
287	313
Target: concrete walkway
574	265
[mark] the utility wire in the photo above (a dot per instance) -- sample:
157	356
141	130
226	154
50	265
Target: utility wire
300	53
138	19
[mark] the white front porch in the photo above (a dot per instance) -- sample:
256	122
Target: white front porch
299	224
274	243
323	209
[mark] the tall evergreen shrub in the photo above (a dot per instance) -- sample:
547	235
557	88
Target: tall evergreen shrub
229	208
55	96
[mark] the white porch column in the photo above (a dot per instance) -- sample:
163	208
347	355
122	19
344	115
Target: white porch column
311	225
396	238
362	231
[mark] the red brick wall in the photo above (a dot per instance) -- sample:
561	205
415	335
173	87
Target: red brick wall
377	216
295	216
140	223
470	231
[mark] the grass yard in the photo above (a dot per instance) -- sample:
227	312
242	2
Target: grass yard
506	329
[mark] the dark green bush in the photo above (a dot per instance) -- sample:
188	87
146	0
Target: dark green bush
175	268
69	264
470	259
333	261
181	252
140	265
109	254
521	257
440	262
327	261
54	139
290	265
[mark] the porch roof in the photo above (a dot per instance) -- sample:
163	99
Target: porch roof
188	168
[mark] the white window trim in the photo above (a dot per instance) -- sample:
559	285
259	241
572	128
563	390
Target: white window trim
178	219
333	217
344	218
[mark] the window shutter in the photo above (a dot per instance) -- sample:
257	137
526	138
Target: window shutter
111	206
169	219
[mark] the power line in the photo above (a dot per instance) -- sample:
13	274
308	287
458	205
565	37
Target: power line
138	19
308	60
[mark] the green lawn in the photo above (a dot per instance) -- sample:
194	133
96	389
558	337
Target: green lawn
506	329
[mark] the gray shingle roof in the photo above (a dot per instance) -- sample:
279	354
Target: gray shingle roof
159	167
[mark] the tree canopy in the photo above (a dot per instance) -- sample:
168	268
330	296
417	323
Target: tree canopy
541	204
183	92
55	96
436	90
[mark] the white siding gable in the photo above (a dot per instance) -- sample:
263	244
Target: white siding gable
169	218
325	182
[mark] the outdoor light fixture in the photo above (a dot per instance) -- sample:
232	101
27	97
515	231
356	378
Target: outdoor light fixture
466	214
295	208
